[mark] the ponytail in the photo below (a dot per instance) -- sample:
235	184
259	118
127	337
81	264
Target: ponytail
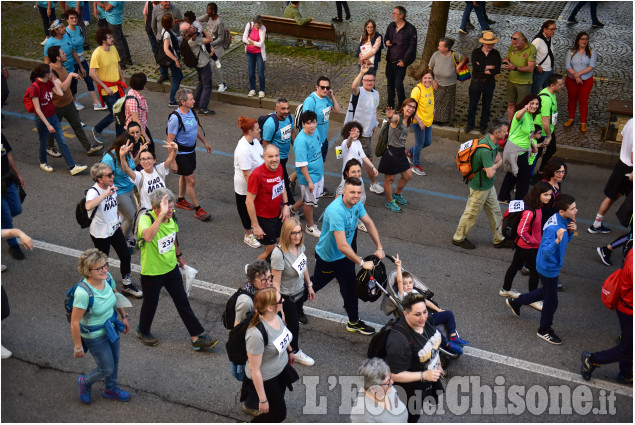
264	299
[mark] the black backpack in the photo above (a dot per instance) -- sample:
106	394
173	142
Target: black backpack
81	214
367	280
509	225
159	54
228	317
181	126
276	123
187	54
236	346
377	345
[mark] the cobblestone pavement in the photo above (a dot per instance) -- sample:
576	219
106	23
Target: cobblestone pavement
291	72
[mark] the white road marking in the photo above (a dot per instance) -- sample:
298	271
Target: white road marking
338	318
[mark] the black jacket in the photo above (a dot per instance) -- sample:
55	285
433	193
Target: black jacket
410	40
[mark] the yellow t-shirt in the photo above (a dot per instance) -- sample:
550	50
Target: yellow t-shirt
425	103
107	65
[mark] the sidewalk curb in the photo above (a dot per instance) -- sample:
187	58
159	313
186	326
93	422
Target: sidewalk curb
570	153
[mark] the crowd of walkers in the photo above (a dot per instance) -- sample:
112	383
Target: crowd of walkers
130	206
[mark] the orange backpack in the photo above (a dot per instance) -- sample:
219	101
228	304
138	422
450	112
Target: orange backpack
464	158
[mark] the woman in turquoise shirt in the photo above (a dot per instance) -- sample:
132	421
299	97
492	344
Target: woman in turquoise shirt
520	132
579	62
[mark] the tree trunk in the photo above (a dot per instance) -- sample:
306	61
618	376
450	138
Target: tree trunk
439	12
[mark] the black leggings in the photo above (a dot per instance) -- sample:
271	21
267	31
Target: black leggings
5	305
521	180
551	149
291	315
242	211
528	258
118	242
274	389
46	21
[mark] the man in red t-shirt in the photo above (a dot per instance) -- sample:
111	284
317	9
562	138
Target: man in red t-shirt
267	201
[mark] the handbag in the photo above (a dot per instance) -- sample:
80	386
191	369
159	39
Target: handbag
364	49
464	72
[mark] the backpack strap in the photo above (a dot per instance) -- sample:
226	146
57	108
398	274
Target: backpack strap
263	331
94	209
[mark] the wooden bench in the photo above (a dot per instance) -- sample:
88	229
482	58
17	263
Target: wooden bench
320	31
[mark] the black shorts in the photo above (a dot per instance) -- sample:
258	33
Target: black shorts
271	227
618	183
186	164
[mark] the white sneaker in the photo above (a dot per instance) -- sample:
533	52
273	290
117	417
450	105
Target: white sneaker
252	241
77	169
6	353
537	305
79	106
86	23
218	64
302	358
313	231
512	293
251	93
53	152
44	42
98	107
128	288
222	87
361	226
3	268
376	188
46	167
261	94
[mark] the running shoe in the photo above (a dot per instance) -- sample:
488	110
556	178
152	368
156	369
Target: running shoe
202	215
184	204
514	308
605	255
77	169
512	293
222	87
99	107
376	188
46	167
537	305
592	229
313	231
94	149
117	393
360	327
251	241
79	106
203	341
418	170
251	93
399	199
53	152
97	137
392	206
302	358
83	390
550	336
465	244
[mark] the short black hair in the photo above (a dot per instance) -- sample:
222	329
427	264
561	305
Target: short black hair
190	15
100	35
138	81
308	116
412	299
552	166
53	52
402	10
553	79
213	6
322	78
448	42
564	201
353	181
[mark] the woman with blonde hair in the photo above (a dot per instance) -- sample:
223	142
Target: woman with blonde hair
291	278
266	363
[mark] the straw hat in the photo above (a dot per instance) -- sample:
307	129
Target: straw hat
488	38
56	24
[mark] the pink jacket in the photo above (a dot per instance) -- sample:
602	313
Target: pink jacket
530	234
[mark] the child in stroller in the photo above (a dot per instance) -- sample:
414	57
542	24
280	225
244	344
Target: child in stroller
401	283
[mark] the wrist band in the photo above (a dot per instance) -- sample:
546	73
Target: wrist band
179	255
263	402
421	376
79	350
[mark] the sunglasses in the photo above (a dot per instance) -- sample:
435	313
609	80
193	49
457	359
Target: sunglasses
515	38
108	175
325	87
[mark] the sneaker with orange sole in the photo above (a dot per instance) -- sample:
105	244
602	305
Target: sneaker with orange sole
202	215
184	204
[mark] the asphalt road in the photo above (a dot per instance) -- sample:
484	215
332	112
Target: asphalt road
509	369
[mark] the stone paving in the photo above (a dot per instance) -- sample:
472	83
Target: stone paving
291	72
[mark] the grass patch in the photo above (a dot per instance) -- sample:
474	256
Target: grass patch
329	57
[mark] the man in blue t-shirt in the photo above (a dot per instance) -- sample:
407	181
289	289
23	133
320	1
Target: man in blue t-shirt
309	168
334	256
184	129
283	137
60	38
322	102
114	18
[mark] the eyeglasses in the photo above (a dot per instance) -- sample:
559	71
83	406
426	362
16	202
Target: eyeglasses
108	175
296	233
280	301
389	383
266	279
560	171
325	87
102	268
146	159
515	38
552	29
369	81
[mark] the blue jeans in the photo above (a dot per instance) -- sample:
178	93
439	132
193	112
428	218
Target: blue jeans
237	371
255	60
540	81
479	15
177	77
593	6
548	292
204	87
423	139
325	149
445	317
109	101
89	81
43	134
11	206
106	355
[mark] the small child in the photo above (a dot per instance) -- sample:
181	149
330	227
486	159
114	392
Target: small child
190	18
406	285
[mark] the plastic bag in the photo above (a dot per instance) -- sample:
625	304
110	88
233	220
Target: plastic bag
188	274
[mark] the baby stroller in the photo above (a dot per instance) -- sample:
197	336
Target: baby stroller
391	304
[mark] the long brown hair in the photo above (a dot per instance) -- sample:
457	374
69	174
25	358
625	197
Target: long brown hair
576	45
285	234
365	36
264	299
403	105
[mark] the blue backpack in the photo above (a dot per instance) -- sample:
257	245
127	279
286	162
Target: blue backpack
70	297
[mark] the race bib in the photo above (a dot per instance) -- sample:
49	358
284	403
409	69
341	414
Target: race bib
300	264
277	190
285	132
554	118
326	112
166	243
516	206
282	342
81	56
338	152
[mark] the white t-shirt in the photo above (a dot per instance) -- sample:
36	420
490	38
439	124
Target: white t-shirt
147	183
541	52
106	219
354	152
626	152
365	112
247	156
